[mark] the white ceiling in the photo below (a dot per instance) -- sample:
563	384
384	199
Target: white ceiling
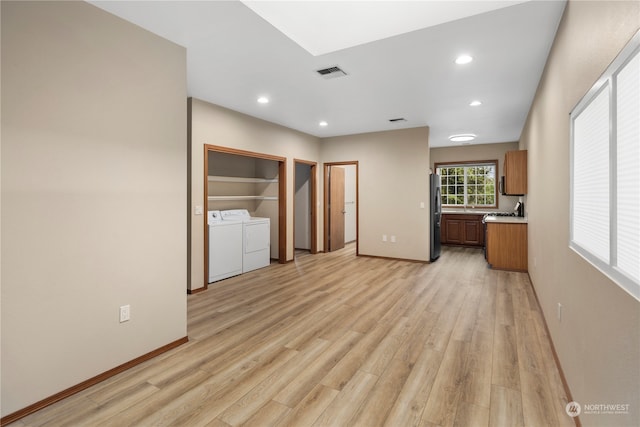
327	26
399	57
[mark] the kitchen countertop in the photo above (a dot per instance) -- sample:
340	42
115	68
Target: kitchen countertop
506	219
466	212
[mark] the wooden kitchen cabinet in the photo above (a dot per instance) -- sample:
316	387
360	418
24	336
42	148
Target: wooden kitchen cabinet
507	246
515	172
462	229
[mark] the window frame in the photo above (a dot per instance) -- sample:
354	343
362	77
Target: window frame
607	82
467	164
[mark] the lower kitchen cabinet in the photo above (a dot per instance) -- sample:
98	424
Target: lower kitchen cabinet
507	246
462	229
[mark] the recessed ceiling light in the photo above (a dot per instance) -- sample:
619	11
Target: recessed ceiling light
463	59
263	100
475	103
463	137
323	123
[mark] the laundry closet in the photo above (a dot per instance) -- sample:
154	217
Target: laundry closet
236	181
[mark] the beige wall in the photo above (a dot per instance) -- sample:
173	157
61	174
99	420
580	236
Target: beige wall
93	195
393	179
211	124
394	168
479	152
597	341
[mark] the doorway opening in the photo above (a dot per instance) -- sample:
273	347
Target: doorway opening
305	208
341	205
253	181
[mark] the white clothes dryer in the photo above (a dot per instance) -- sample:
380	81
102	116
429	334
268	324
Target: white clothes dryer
256	236
225	247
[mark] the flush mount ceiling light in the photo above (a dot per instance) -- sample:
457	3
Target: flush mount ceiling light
463	137
463	59
263	100
475	103
323	123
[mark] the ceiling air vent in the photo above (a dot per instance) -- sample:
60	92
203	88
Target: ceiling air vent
399	119
331	72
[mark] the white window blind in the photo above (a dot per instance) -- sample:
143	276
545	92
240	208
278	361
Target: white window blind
628	168
605	172
591	177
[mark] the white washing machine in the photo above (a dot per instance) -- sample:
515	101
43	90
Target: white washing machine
256	238
225	247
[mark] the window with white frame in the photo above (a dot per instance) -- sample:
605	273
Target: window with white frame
605	172
468	184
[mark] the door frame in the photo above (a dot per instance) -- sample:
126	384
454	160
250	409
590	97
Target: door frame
326	202
282	199
313	184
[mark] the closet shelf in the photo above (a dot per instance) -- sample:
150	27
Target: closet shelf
217	178
212	198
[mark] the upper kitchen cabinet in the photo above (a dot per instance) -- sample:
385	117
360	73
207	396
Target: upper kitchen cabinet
515	173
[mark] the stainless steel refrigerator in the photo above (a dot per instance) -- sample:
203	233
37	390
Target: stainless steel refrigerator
435	206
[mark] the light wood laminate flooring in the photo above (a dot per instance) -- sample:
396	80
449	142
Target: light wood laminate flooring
339	340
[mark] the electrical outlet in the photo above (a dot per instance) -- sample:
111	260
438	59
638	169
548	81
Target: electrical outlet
384	237
125	313
559	312
393	239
